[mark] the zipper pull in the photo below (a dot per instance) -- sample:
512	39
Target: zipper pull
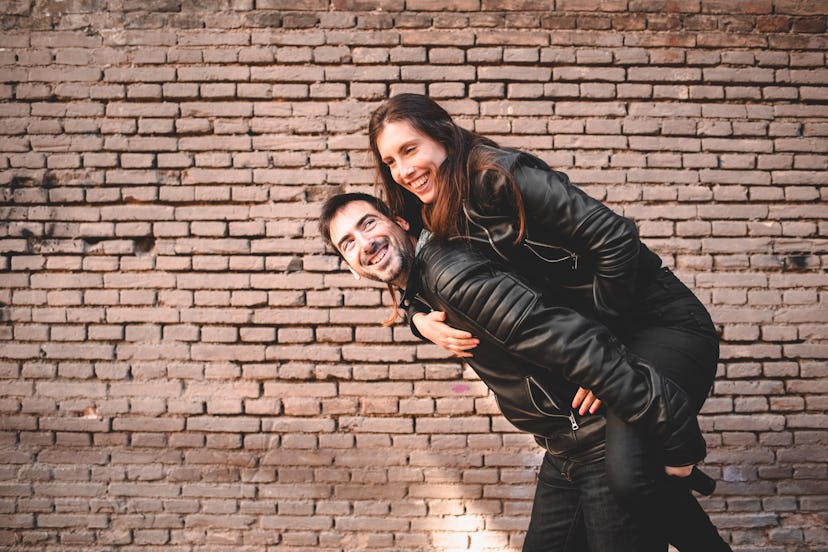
574	262
573	421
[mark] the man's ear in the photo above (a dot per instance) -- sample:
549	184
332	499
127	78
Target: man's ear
402	223
356	276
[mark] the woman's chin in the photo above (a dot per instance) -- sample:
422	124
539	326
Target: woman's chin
426	197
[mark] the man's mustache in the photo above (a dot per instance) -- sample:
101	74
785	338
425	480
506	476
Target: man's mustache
375	245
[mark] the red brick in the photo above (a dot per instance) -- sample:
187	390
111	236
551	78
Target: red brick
195	137
139	74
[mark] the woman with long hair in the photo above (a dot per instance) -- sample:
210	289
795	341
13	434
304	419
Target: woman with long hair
460	185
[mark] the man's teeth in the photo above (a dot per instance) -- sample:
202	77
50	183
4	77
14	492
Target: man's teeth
379	257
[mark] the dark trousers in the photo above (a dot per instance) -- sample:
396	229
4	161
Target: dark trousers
575	511
672	330
627	503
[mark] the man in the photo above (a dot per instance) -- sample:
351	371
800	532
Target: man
533	356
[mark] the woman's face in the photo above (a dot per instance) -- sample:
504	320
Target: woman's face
412	157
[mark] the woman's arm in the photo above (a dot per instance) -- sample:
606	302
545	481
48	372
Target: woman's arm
560	215
432	326
558	212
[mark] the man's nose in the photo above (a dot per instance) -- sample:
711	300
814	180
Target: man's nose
366	243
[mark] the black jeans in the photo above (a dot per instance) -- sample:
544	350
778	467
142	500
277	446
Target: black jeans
575	511
672	330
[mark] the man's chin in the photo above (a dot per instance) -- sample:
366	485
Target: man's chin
396	268
388	276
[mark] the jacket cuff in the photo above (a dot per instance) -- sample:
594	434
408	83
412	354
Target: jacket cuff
685	445
674	421
410	311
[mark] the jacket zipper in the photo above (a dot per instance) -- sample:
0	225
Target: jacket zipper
526	241
486	231
572	255
572	421
423	300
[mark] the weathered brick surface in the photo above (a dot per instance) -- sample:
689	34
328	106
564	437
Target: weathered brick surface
183	365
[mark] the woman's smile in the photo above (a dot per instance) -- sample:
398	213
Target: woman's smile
420	182
413	158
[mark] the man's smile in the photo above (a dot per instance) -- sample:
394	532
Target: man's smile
377	257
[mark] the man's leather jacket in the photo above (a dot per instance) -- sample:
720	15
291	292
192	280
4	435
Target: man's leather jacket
534	354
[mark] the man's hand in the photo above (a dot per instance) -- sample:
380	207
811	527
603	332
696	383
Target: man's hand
432	326
682	471
585	401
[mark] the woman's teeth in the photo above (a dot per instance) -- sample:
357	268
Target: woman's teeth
420	182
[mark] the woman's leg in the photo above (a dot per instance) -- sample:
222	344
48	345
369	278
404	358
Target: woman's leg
672	330
663	504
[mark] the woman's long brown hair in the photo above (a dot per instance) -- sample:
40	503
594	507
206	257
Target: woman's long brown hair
465	158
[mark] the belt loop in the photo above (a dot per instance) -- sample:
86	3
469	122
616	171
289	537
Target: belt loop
566	470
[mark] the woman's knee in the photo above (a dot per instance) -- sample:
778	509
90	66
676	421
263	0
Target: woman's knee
630	462
630	484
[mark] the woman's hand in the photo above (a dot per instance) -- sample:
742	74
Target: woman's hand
681	471
585	401
432	327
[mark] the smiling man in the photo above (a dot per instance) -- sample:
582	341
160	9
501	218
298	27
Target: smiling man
534	355
371	243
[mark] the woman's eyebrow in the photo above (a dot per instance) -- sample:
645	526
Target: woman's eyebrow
401	148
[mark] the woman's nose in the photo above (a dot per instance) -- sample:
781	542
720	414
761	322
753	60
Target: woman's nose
403	170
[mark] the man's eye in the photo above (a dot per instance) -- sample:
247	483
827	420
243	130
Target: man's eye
370	223
347	245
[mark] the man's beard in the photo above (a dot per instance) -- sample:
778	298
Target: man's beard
400	278
400	264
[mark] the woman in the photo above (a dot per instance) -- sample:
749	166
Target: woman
461	185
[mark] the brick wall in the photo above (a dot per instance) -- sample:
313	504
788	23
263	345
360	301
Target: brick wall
184	367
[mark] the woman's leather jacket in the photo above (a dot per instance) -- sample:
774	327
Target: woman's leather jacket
534	354
571	240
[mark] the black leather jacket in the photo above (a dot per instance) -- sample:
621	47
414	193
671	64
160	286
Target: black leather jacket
534	354
571	240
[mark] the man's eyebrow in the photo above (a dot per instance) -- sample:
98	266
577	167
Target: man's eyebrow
357	225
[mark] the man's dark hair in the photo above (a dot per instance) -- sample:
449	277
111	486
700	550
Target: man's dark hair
334	203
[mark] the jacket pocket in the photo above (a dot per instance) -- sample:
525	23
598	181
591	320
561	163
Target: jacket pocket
552	254
546	404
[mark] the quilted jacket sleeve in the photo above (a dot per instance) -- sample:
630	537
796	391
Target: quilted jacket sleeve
501	307
413	308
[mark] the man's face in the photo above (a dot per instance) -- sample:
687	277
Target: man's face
373	245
